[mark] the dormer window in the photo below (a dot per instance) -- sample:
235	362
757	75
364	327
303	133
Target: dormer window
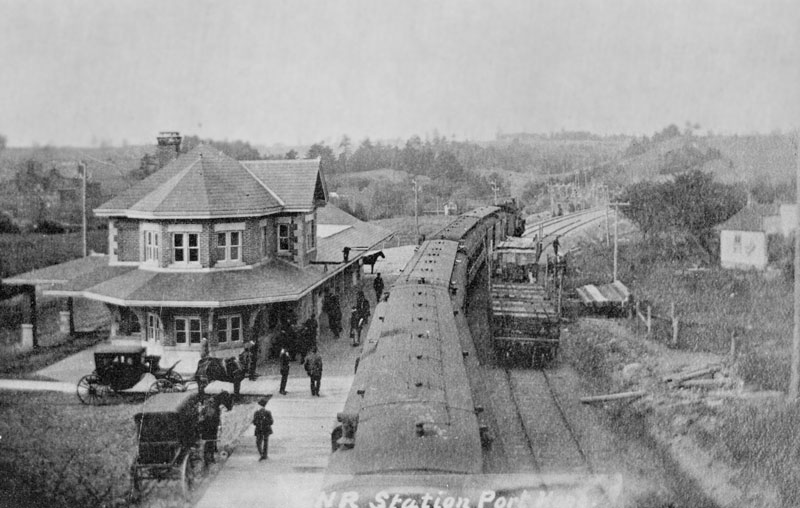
185	248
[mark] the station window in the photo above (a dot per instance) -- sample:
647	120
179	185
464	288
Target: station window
229	329
187	330
185	248
311	234
284	237
229	246
152	247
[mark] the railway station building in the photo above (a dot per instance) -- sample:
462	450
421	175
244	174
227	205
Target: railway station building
211	247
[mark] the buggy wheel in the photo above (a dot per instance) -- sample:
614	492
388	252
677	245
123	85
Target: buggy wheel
90	390
136	484
161	386
187	476
175	378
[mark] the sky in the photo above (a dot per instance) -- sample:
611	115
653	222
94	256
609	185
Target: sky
80	72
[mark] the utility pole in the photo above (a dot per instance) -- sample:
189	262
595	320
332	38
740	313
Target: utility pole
416	213
794	382
82	169
616	231
494	188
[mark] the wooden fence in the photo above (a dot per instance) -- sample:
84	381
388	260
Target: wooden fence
644	314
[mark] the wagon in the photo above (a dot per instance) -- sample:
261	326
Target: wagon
169	446
121	368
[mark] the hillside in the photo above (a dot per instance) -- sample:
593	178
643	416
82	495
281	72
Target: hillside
740	159
107	165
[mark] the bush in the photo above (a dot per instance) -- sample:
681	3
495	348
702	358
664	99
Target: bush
47	227
7	225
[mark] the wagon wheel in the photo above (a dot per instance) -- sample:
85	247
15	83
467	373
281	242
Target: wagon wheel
136	484
553	353
187	476
161	386
177	380
91	390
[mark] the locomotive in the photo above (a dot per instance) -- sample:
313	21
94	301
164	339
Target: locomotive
410	410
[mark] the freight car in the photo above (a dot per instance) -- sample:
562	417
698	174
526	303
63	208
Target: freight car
410	409
525	314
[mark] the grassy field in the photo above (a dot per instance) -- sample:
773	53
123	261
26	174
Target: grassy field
759	438
58	452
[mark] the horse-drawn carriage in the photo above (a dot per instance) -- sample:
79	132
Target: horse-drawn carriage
120	368
175	432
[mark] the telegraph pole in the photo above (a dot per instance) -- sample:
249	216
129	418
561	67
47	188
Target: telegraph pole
416	213
616	231
494	188
794	382
82	169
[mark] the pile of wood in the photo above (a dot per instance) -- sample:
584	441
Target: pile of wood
709	377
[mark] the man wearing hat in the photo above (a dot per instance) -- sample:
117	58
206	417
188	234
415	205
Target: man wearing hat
356	322
262	420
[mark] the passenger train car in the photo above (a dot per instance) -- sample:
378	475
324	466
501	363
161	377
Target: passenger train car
410	409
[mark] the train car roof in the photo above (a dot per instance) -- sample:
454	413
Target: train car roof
432	263
420	416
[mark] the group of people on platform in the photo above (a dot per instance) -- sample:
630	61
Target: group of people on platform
294	340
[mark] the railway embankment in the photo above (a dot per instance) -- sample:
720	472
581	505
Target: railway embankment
691	400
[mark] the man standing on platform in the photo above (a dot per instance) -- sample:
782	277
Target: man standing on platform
262	420
285	360
356	322
313	366
378	286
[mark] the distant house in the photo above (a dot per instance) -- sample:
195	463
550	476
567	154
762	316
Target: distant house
744	238
212	247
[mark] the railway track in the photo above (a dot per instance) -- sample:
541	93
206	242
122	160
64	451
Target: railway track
564	224
553	442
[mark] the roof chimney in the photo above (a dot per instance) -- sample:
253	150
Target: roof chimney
169	146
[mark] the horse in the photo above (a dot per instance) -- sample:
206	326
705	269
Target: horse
371	259
209	420
228	370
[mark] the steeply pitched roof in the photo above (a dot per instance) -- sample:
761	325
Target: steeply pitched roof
749	218
299	183
205	183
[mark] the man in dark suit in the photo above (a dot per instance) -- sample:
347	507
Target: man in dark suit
262	419
285	360
378	286
313	365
